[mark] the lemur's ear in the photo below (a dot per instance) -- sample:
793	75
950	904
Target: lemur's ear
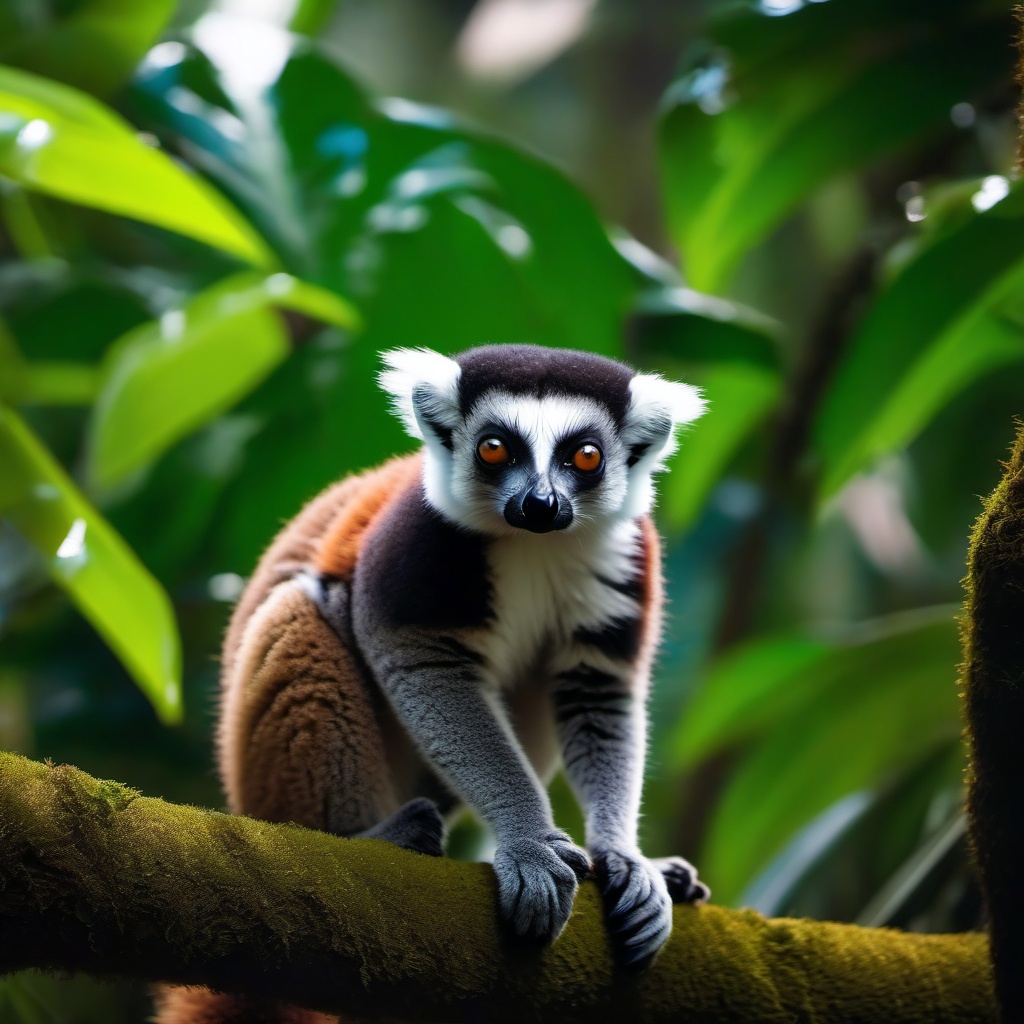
656	408
424	390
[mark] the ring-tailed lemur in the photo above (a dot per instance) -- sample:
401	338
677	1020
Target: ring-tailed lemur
439	629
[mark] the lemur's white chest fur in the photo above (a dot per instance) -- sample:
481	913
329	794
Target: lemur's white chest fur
546	588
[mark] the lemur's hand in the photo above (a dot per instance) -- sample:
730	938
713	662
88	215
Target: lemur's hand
681	878
537	882
637	905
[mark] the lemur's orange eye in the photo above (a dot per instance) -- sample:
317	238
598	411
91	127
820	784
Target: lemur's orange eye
587	458
492	451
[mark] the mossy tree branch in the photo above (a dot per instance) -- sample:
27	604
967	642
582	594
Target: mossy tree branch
96	878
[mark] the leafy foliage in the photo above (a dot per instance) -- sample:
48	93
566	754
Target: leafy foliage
199	268
774	107
91	562
816	735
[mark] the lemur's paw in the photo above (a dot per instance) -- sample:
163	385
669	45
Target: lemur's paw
416	825
537	882
681	878
637	906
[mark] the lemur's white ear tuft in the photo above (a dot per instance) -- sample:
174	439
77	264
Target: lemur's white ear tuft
653	396
424	390
657	407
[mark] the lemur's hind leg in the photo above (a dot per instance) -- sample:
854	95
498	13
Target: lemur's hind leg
416	825
301	739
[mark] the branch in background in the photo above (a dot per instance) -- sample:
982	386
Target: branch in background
788	447
819	360
96	878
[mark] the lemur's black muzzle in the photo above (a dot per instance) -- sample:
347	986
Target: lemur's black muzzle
539	510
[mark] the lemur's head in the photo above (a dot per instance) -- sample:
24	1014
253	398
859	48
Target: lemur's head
519	437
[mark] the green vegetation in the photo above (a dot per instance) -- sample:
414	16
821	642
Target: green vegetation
209	230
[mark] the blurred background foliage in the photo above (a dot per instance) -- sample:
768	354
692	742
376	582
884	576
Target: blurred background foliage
211	222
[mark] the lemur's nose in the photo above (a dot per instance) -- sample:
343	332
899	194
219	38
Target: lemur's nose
540	507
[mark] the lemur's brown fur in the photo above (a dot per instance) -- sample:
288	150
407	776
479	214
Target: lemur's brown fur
298	720
201	1006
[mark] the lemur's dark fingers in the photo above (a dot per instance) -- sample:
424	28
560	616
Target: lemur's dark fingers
537	882
578	859
637	907
681	878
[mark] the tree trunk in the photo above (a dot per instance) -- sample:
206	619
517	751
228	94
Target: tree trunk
992	677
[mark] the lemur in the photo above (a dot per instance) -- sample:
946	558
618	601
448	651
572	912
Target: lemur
436	631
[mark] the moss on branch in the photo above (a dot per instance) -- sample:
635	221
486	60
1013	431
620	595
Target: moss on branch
992	676
96	878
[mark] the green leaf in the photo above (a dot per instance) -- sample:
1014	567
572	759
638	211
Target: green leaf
770	890
747	690
866	835
12	365
950	317
347	191
165	378
91	44
679	325
296	168
85	556
59	383
878	706
776	106
43	382
23	226
740	397
731	352
310	16
887	902
63	143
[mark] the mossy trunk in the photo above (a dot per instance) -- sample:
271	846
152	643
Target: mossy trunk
96	878
992	678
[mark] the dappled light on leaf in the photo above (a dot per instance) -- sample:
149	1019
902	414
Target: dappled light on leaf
89	560
166	378
63	143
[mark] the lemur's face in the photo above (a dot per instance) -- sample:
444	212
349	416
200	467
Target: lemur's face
570	440
545	464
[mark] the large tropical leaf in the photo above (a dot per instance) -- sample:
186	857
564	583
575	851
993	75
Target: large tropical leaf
748	690
91	44
772	107
951	316
740	397
92	563
350	192
729	350
866	711
61	142
164	379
